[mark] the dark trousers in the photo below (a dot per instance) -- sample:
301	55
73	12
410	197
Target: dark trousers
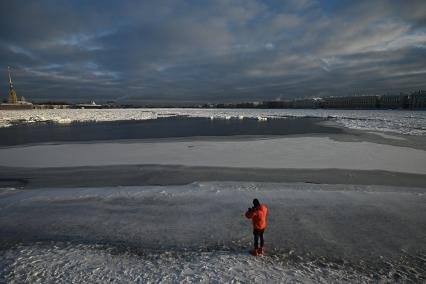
258	234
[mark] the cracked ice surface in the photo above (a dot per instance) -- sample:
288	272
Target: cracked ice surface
341	220
68	263
197	232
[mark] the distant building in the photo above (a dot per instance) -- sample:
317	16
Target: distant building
418	100
12	102
393	101
353	102
306	103
278	104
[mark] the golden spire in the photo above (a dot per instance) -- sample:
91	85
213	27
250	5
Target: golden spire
12	93
10	78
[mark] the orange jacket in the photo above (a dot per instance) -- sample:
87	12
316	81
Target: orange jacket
258	216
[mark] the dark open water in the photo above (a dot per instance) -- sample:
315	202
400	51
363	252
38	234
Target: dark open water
157	128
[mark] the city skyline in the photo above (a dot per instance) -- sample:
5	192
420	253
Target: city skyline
214	51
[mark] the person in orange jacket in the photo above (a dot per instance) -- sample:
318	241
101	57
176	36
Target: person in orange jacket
258	216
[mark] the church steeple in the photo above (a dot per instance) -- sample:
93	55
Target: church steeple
12	93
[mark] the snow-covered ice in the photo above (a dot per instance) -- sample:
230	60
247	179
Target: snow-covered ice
68	263
197	233
297	153
402	122
9	118
316	233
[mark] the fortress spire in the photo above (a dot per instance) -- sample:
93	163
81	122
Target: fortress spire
12	93
10	78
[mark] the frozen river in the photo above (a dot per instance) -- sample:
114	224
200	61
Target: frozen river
396	121
315	232
158	195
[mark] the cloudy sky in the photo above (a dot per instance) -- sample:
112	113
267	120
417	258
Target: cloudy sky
211	51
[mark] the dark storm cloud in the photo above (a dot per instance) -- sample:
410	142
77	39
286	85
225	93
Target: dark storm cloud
234	50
